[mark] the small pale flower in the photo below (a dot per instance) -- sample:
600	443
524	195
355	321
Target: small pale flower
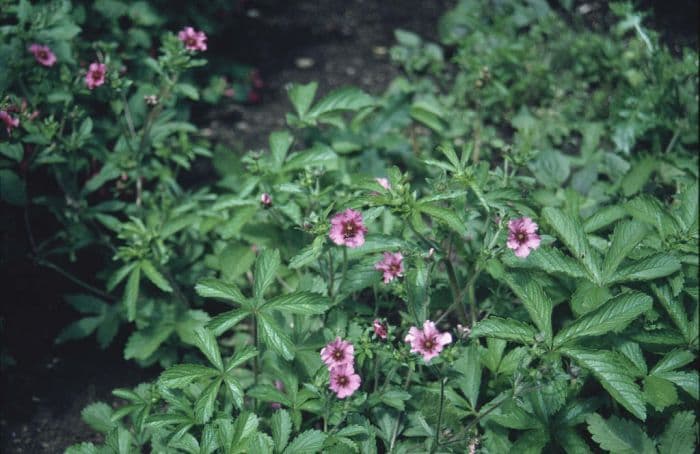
383	182
10	122
193	39
337	353
280	387
428	341
266	200
380	329
522	236
43	54
348	229
344	381
95	75
391	266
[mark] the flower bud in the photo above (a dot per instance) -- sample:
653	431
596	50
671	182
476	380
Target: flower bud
266	200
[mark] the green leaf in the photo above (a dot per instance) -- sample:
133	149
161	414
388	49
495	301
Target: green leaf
639	174
468	366
307	442
588	296
281	425
617	379
79	329
627	235
548	259
571	441
319	155
342	99
531	442
619	436
417	288
673	360
268	393
444	215
98	416
512	416
309	254
242	355
204	406
537	303
206	342
302	96
646	269
144	343
265	270
650	210
14	151
120	275
82	448
188	90
234	386
506	329
674	308
571	232
304	303
12	188
429	111
213	288
154	276
131	293
227	320
181	375
280	142
686	210
614	315
680	435
659	392
395	398
688	381
551	168
274	338
603	218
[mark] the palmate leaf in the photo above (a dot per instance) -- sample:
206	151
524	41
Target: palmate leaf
506	329
181	375
619	436
680	435
614	315
571	232
536	301
448	217
675	310
615	374
627	235
281	425
204	405
131	293
274	338
206	342
265	270
304	303
646	269
214	288
548	259
226	320
302	96
308	442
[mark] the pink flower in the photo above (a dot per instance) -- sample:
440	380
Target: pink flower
95	75
428	341
391	265
338	353
10	123
266	200
344	381
280	387
347	228
43	54
380	329
193	39
522	236
383	182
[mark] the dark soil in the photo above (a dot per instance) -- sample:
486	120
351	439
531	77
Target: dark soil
334	42
346	42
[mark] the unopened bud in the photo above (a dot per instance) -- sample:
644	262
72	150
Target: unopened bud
266	200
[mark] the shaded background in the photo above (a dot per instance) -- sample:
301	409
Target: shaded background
335	42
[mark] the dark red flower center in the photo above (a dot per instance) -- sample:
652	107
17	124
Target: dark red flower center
520	236
42	55
342	380
428	344
191	41
349	230
338	354
97	75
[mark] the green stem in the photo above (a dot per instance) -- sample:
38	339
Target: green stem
331	275
75	280
345	268
436	442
